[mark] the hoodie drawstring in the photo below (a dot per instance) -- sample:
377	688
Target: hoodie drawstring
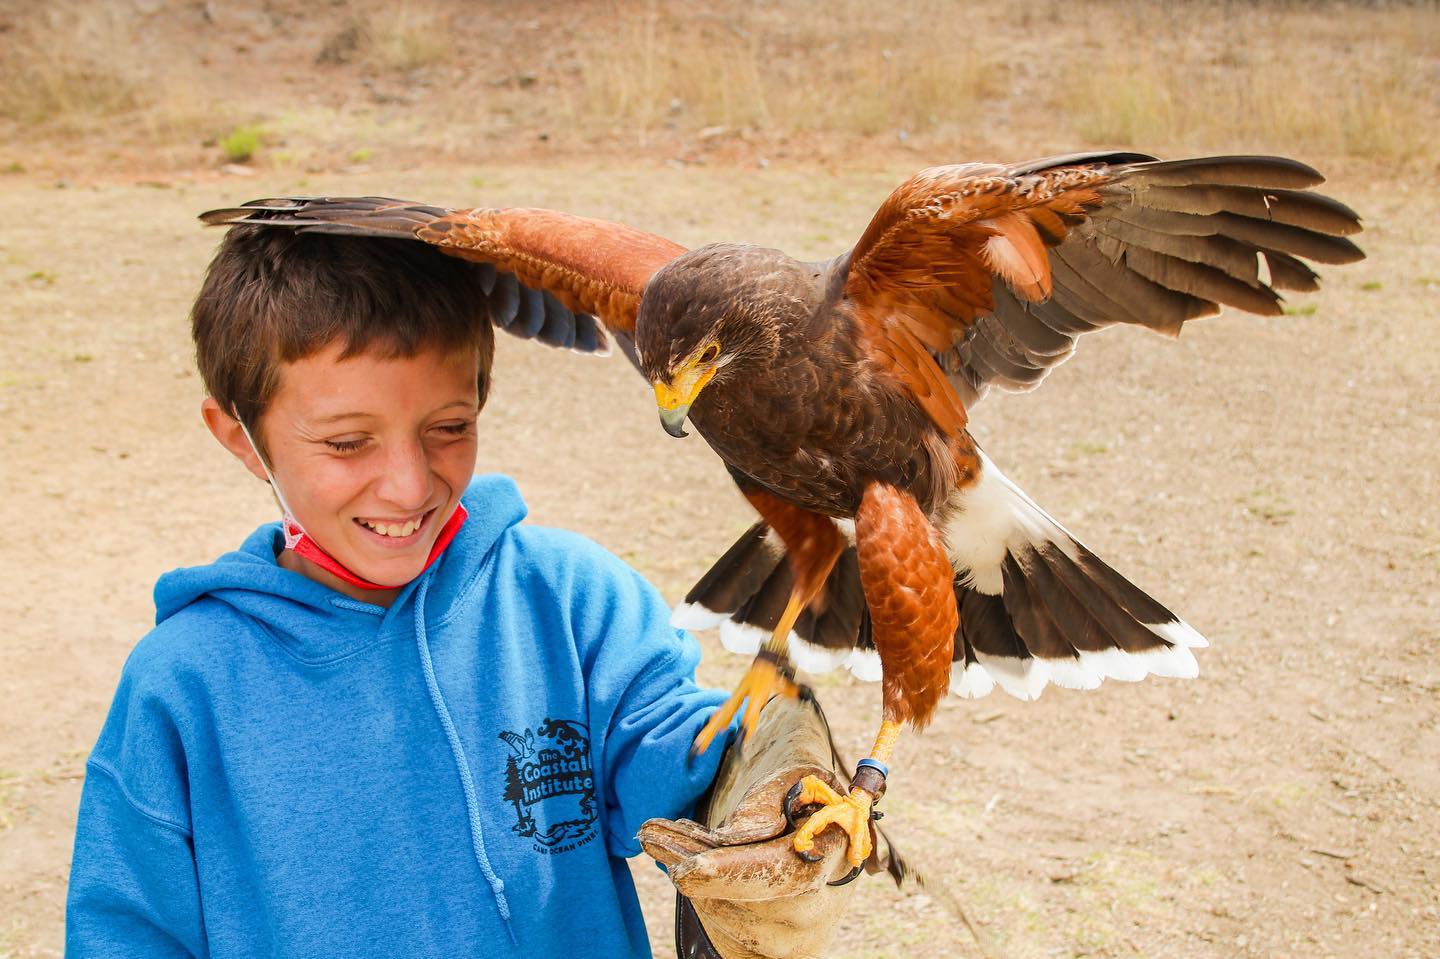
467	781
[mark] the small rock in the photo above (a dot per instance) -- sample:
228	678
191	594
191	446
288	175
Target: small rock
1364	882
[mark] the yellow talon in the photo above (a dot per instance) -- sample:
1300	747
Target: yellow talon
851	813
763	680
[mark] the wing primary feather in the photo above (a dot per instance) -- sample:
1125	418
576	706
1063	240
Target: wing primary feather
1078	159
1289	273
1300	208
505	300
1113	236
531	316
1069	271
486	272
586	340
1159	306
559	326
1289	239
1255	171
1202	281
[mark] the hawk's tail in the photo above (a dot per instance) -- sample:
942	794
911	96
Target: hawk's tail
745	592
1036	606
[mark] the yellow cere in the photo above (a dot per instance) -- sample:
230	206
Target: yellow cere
688	380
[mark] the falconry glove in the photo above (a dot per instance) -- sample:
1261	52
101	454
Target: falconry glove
744	893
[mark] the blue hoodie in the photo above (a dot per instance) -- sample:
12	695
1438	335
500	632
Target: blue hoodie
286	771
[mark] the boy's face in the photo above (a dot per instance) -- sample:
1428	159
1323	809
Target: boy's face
372	453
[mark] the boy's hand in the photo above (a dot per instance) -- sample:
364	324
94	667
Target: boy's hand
754	897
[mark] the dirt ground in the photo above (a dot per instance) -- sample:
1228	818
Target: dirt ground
1274	480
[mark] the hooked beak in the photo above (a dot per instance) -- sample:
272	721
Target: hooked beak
674	398
674	420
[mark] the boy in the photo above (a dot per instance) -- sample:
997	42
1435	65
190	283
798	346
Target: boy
399	723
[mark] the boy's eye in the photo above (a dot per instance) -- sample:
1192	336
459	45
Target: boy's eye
456	429
344	446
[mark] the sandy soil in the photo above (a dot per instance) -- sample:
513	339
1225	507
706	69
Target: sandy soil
1273	480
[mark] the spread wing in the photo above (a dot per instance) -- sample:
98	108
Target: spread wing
548	274
997	270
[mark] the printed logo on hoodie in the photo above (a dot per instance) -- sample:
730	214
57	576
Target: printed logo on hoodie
550	782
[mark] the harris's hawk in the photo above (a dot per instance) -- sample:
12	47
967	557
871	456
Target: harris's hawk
837	393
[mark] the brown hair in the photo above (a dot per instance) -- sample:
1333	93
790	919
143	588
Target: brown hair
272	296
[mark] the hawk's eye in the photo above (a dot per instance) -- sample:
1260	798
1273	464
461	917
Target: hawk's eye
711	352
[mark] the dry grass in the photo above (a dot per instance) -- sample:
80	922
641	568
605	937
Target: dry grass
408	36
1361	85
157	78
98	73
1321	79
802	66
399	38
69	64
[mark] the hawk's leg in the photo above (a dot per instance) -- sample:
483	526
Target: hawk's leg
812	545
851	812
769	675
908	582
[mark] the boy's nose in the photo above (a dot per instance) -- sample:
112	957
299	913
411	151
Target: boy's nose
406	480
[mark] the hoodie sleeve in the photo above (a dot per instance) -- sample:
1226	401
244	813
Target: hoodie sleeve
133	887
640	674
134	890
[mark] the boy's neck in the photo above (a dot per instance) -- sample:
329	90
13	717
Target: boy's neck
288	559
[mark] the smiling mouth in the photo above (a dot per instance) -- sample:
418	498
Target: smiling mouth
397	531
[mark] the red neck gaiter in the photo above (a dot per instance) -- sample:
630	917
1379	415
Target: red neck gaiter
298	540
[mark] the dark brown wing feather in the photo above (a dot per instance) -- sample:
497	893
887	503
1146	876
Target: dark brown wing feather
589	266
998	269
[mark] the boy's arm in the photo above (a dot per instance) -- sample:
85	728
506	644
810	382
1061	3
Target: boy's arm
133	885
644	701
134	889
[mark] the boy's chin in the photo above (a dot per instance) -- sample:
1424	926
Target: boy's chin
391	574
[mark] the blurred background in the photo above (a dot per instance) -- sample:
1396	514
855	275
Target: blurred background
163	87
1273	480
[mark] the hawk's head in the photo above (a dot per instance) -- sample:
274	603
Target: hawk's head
716	315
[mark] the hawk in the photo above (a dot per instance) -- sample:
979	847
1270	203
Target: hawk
838	394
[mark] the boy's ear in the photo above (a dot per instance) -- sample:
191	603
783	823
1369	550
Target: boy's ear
226	429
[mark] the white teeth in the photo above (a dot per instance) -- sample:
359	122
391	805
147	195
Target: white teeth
394	529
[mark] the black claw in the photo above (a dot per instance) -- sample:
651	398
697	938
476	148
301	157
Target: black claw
791	812
789	805
809	856
876	815
790	798
849	877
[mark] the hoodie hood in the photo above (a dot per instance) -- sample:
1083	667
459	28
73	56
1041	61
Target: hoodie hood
314	621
